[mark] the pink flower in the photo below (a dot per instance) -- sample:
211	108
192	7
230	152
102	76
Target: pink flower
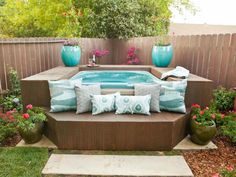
26	116
201	112
136	61
9	113
207	108
129	62
213	116
29	106
100	53
222	116
230	168
195	106
194	117
216	175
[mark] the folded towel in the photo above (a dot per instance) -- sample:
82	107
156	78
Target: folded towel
179	72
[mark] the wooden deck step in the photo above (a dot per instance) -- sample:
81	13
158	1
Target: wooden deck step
116	165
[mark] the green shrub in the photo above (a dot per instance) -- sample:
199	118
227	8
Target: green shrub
10	102
228	127
14	82
13	98
224	99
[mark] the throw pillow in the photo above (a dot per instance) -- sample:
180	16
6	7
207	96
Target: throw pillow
83	93
103	103
133	104
153	90
172	96
62	94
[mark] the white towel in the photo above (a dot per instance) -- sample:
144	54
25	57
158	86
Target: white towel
179	72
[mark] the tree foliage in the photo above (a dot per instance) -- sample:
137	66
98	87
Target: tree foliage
87	18
34	18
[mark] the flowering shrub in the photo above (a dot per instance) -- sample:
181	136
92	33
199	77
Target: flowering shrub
203	116
132	57
228	171
27	120
7	125
100	53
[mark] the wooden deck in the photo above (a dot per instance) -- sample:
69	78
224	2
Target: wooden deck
108	131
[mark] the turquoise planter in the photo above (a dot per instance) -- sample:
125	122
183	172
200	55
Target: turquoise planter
71	55
162	55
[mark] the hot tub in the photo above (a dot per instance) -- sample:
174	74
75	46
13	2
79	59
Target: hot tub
120	79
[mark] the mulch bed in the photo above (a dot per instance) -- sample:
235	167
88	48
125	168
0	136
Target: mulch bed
11	141
205	163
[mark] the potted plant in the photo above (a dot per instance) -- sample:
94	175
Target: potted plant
132	57
30	124
71	53
98	54
162	52
202	125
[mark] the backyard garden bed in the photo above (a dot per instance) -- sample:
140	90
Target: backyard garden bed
205	163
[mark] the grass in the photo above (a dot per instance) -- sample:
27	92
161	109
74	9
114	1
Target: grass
29	161
22	162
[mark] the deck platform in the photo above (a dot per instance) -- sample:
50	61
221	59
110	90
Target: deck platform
160	131
108	131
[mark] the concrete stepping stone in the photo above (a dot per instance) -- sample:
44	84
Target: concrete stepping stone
43	143
116	165
187	144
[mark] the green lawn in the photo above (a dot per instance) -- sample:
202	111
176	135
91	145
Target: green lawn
22	162
29	162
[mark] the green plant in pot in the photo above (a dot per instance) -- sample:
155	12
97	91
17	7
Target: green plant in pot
202	125
30	124
71	53
162	52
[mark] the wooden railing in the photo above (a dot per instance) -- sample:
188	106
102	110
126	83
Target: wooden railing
210	56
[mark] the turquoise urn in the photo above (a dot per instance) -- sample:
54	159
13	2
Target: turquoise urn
162	55
71	55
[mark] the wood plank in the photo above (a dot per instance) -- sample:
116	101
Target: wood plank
213	63
225	59
231	67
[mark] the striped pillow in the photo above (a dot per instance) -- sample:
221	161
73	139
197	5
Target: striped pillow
172	96
62	94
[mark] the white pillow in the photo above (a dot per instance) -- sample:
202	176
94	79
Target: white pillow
133	104
83	93
103	103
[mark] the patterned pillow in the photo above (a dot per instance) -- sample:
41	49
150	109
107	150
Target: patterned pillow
83	93
103	103
62	94
172	96
133	104
153	90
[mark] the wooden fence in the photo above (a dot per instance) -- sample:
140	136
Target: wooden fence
210	56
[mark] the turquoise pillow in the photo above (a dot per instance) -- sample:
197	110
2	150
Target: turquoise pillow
62	94
103	103
133	104
172	96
